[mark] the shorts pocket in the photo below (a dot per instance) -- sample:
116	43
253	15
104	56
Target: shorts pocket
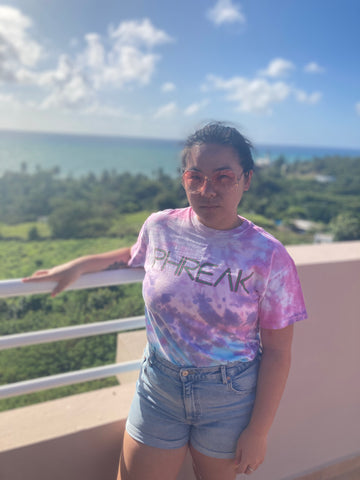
245	381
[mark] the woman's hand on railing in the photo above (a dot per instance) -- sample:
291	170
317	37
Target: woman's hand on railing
67	273
63	275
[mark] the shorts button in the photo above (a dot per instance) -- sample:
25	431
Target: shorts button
185	373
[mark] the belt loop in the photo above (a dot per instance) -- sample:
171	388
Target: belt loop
223	374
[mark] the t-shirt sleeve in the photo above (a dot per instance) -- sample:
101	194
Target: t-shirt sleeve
139	249
282	303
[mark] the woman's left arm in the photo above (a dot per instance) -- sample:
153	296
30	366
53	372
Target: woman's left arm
273	373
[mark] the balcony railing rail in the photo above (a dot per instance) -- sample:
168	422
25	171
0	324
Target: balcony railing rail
12	288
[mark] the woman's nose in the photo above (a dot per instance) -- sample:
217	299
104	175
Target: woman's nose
208	188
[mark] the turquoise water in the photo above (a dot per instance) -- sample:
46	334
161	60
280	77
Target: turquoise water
77	155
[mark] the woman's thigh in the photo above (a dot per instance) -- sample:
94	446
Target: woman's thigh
210	468
140	462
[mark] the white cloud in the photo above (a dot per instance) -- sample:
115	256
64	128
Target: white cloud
8	99
74	94
17	48
108	111
278	67
94	55
195	107
124	58
14	39
127	65
139	33
129	59
313	67
68	85
357	108
58	77
166	111
224	11
257	95
310	98
168	87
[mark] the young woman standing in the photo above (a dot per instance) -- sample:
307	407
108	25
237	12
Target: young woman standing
221	298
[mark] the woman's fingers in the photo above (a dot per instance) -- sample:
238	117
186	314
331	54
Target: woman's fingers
64	279
40	272
58	289
40	275
62	283
63	275
250	452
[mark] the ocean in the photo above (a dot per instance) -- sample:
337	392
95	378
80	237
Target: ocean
78	155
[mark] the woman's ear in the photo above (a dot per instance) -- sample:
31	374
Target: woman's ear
182	182
247	180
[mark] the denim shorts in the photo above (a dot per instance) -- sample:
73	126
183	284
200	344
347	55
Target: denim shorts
206	407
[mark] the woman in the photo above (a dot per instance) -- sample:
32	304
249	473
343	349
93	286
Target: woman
221	297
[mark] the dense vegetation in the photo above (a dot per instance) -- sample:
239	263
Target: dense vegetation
46	220
324	190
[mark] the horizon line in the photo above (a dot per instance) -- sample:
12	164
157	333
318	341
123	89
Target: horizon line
164	139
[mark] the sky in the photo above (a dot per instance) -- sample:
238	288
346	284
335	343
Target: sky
283	71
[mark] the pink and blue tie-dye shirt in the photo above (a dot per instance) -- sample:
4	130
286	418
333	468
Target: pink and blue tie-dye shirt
207	292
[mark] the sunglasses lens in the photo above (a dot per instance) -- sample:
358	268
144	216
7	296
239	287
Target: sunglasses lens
193	181
224	179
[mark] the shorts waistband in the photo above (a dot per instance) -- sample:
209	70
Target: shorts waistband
176	370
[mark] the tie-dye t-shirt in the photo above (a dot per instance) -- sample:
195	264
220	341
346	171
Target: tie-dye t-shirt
207	292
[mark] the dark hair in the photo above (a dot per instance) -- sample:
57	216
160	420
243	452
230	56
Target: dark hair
221	134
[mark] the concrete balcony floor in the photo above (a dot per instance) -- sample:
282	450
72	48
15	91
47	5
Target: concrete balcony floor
315	436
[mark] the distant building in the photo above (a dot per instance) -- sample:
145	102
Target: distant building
301	225
262	161
323	238
324	178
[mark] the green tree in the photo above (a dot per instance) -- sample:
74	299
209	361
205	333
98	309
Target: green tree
33	234
77	219
346	227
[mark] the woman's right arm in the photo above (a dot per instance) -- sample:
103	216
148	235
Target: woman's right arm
69	272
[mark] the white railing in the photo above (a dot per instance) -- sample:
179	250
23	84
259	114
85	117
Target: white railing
16	288
11	288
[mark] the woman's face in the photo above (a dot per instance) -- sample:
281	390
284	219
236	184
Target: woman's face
215	204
